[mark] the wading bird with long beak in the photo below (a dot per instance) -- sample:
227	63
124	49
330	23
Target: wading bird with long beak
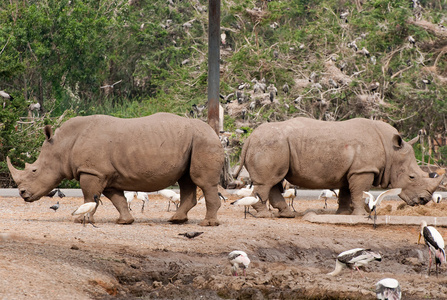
374	203
433	239
291	195
353	259
247	201
86	208
237	258
328	194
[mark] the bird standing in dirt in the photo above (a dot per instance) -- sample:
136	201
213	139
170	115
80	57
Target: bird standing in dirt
55	206
237	258
86	209
192	234
291	195
353	259
433	239
328	194
373	203
246	202
388	289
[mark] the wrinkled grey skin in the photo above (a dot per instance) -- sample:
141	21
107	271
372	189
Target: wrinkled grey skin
351	155
110	155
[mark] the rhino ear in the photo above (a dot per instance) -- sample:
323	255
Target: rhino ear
398	142
48	132
413	140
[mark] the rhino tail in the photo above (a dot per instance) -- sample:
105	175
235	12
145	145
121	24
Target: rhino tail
242	158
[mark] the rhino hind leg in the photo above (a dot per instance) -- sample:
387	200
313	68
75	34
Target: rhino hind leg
277	201
261	208
120	203
344	202
188	199
213	204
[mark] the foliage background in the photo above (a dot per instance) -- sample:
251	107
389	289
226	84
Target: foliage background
63	54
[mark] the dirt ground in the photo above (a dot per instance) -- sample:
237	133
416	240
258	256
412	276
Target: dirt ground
45	255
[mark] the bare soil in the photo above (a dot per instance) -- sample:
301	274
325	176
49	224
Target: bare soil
45	255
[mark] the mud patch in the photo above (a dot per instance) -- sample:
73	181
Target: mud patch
45	255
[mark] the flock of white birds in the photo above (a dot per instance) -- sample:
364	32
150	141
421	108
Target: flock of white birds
387	288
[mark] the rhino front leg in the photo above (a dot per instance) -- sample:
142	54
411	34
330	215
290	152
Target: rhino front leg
357	184
120	203
91	185
277	201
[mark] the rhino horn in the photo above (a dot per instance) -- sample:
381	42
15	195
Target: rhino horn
434	182
15	173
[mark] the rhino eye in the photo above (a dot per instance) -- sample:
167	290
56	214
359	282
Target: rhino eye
34	170
412	176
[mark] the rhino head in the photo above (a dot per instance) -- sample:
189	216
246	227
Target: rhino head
39	178
417	185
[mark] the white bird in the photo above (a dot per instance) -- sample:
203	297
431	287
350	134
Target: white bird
344	16
86	209
139	195
247	201
333	83
237	258
433	239
374	203
290	194
328	194
172	196
5	95
129	197
273	91
285	88
143	197
244	192
110	85
354	258
412	40
364	51
436	197
222	196
388	289
353	45
34	106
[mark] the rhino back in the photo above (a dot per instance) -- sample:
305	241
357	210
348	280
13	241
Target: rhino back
150	151
327	153
320	153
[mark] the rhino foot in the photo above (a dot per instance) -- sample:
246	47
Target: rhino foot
174	220
125	221
81	220
209	222
359	212
342	211
286	214
264	214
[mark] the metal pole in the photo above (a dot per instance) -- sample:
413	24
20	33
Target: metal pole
213	63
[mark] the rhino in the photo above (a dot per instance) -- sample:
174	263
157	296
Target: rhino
109	155
351	156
